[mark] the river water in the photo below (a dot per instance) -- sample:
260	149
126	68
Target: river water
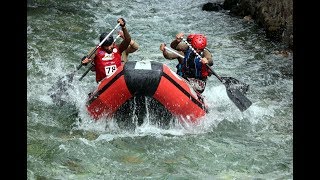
63	142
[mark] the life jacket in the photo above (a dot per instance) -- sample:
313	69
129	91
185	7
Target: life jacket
192	66
179	69
106	64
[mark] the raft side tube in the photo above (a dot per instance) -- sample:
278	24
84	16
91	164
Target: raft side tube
111	93
179	97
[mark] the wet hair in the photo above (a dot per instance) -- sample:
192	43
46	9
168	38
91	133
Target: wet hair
108	41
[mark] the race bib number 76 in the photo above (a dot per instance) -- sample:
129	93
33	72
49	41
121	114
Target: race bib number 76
110	70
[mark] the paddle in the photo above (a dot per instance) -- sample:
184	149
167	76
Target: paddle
232	88
59	89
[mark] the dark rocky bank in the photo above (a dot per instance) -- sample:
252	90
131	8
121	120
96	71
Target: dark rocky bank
274	16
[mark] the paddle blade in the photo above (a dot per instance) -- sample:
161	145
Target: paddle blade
237	97
233	83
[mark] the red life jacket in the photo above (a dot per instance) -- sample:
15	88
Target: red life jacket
106	64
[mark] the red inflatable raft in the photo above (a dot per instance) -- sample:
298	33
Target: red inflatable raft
146	79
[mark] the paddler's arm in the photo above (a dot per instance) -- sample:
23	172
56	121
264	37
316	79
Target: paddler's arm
168	55
126	36
133	47
175	42
87	59
207	54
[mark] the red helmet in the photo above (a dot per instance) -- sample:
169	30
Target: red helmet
189	37
199	41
